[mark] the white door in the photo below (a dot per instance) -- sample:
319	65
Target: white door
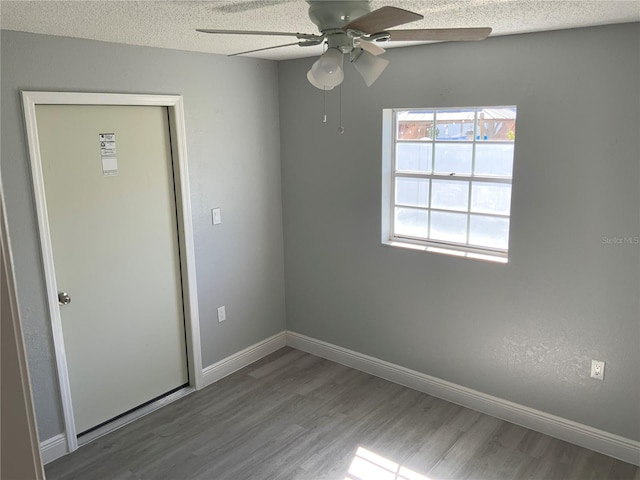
115	248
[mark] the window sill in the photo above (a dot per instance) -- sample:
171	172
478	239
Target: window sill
446	251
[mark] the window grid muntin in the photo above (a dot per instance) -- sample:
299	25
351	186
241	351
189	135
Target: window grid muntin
473	171
395	173
394	166
480	214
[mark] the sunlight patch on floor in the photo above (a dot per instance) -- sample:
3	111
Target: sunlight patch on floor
367	465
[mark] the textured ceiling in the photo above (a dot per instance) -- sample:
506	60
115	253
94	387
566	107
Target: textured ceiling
172	24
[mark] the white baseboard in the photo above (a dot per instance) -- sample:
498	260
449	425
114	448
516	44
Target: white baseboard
245	357
604	442
53	448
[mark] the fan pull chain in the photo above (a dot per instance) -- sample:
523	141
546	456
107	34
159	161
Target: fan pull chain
341	127
324	106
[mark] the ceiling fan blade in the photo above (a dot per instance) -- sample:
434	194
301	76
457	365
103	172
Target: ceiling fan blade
371	47
271	48
381	19
440	34
301	36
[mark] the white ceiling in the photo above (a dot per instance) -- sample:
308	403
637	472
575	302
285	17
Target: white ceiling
172	24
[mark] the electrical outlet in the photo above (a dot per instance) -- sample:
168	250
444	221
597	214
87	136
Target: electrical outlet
222	315
597	369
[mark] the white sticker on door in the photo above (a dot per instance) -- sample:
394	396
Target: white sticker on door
108	154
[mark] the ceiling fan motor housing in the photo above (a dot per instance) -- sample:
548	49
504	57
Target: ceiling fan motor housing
334	14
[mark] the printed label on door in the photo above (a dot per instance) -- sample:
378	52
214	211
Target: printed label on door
108	154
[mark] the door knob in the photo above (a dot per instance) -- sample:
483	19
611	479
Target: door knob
64	298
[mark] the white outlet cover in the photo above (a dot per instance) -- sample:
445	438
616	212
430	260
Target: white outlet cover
597	369
222	315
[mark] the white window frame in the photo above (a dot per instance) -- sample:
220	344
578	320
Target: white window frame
389	175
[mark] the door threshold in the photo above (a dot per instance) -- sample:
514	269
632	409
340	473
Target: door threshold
135	414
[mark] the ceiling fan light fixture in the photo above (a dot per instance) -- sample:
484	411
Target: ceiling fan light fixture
315	83
327	72
369	66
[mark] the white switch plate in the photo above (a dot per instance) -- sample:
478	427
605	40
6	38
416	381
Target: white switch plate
222	315
597	369
216	217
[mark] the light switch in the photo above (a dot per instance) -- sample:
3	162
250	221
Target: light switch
215	214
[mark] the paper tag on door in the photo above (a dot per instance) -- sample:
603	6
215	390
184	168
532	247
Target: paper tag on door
108	154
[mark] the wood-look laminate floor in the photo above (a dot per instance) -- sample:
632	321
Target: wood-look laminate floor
293	415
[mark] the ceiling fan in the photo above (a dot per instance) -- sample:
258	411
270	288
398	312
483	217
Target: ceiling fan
350	27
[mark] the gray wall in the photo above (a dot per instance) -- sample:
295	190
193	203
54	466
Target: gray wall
525	331
231	109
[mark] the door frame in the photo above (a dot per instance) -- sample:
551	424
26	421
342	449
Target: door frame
175	107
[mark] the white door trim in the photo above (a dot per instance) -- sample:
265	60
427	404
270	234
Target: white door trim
175	107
